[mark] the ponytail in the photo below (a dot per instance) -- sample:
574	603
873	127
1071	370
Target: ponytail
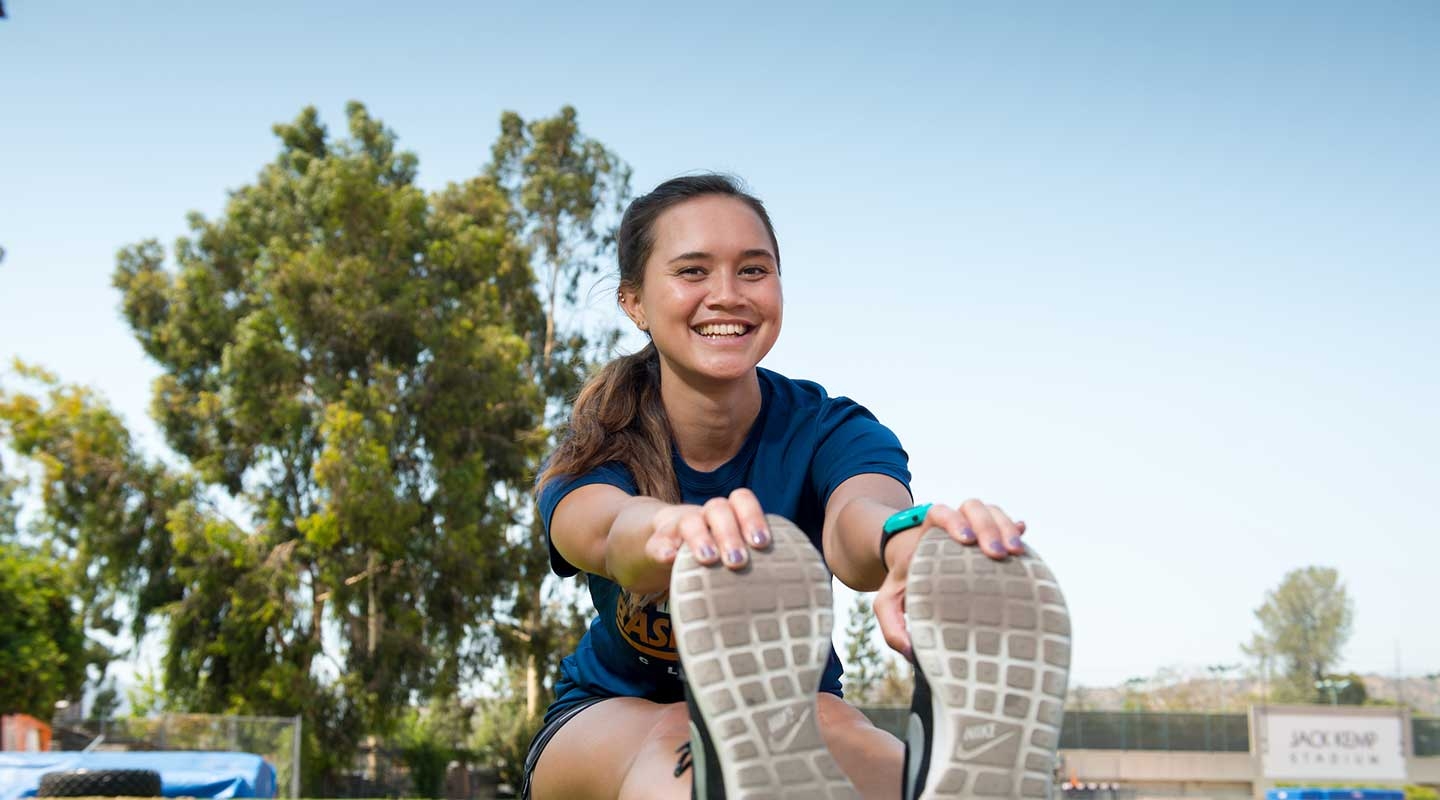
618	416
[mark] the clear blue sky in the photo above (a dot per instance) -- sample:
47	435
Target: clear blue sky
1159	278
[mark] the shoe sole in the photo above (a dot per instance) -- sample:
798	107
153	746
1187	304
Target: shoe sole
992	639
753	645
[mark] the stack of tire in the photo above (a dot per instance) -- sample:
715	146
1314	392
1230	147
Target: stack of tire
100	783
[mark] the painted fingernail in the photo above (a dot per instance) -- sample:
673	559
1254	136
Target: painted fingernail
706	552
967	536
760	537
735	556
1016	544
667	554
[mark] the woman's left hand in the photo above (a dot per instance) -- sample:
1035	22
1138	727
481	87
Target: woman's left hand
973	523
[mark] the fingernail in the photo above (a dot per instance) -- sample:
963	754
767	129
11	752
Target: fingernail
706	552
735	556
1016	544
760	537
667	554
967	536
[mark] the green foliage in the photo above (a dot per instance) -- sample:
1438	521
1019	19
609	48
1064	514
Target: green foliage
567	187
864	665
343	355
566	192
503	733
9	508
1352	694
43	657
103	505
106	702
359	374
429	739
1304	624
147	695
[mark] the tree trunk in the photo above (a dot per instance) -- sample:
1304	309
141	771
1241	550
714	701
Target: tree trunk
372	633
532	660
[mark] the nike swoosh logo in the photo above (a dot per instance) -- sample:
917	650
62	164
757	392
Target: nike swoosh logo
966	755
782	743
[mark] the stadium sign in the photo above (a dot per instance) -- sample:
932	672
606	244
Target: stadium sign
1314	744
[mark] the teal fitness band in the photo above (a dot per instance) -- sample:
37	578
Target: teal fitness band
901	521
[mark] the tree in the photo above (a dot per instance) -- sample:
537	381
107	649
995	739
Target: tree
42	641
343	359
100	521
864	666
1304	624
1137	696
1348	690
429	739
565	191
103	504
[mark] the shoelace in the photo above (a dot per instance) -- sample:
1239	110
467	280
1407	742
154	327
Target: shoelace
685	759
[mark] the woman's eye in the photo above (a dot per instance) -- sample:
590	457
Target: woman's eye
754	270
690	271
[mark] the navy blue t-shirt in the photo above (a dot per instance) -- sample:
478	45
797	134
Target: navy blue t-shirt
803	445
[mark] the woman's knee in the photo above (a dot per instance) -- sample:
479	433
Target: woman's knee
871	757
623	747
655	773
593	754
837	715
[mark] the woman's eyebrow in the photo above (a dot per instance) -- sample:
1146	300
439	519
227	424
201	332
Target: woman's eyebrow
701	255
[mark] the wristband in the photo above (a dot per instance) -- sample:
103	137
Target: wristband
901	521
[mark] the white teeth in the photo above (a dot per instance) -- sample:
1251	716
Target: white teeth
720	330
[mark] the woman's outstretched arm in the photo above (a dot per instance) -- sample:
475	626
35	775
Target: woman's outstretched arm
633	540
857	511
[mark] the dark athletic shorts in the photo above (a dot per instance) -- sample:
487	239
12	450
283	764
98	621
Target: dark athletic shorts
543	737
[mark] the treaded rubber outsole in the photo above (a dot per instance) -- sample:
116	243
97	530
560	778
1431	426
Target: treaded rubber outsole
753	646
993	641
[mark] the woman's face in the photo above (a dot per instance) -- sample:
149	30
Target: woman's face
711	297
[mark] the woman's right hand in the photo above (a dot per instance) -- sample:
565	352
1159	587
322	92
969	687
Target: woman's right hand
723	530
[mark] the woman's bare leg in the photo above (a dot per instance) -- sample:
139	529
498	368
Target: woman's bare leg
870	757
626	748
623	748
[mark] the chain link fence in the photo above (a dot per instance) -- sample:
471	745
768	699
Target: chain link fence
276	739
1427	735
1146	730
1151	730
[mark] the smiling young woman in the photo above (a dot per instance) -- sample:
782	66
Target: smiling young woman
710	500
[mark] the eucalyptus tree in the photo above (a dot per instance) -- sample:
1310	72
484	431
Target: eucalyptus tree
567	191
343	361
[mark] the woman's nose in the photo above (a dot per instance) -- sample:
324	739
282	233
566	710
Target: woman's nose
724	290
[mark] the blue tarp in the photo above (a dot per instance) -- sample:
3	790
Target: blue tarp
182	774
1334	794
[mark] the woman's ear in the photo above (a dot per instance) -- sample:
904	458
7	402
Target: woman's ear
630	304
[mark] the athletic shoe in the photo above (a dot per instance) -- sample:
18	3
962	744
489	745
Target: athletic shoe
991	644
753	645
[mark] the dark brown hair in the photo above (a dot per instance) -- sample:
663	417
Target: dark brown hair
618	415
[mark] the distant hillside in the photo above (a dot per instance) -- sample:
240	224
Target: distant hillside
1171	690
